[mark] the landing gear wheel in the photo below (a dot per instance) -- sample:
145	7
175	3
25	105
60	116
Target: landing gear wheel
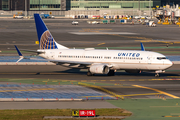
157	75
111	73
89	74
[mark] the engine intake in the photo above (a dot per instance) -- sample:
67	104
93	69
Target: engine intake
99	69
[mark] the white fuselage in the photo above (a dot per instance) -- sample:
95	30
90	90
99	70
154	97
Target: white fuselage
119	59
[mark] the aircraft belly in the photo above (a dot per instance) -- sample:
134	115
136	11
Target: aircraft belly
127	66
139	66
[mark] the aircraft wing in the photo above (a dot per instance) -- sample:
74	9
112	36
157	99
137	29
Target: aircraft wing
87	64
69	62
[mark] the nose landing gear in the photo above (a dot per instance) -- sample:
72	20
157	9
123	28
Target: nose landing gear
157	75
159	71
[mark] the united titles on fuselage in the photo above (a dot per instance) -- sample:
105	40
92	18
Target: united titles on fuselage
129	54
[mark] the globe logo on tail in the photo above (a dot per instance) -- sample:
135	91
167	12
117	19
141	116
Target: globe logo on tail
47	41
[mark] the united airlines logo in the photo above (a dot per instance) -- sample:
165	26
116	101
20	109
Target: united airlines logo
129	54
47	41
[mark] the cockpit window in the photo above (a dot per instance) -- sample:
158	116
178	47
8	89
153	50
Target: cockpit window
160	58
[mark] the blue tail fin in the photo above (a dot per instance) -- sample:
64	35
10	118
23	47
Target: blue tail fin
46	40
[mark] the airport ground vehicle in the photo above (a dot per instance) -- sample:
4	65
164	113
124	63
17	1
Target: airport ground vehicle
47	16
74	23
137	17
151	24
148	17
95	22
18	16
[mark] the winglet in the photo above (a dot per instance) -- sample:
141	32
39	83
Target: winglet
20	54
142	47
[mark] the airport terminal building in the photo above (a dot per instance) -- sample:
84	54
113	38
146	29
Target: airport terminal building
64	5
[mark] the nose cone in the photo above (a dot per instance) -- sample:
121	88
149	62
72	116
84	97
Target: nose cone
170	64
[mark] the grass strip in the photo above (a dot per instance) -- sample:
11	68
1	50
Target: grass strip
37	114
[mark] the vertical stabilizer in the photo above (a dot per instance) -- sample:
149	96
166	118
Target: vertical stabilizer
46	40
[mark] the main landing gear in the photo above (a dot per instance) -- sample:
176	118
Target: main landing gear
89	73
157	75
111	73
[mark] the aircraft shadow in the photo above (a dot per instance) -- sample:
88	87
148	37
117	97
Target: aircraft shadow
78	71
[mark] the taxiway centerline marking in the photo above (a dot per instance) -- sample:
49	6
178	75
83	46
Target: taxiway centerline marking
117	86
103	80
171	116
142	94
159	91
101	43
98	87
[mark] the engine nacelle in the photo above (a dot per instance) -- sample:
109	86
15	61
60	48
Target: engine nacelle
99	69
133	71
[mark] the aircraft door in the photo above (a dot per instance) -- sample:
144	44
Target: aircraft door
52	55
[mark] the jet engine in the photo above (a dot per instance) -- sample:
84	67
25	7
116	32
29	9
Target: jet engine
99	69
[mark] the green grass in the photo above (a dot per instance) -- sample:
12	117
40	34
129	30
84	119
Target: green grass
150	109
40	113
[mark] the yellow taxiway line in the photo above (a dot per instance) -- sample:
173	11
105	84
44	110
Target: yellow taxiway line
171	116
141	94
159	91
101	43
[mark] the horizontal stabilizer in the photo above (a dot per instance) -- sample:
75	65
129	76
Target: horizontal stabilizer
20	54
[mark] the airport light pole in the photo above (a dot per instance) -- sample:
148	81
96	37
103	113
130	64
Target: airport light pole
16	5
150	8
39	6
25	8
11	7
139	7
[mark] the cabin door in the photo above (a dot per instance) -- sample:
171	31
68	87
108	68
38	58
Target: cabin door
52	55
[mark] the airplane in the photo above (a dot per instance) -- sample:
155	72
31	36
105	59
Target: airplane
95	60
